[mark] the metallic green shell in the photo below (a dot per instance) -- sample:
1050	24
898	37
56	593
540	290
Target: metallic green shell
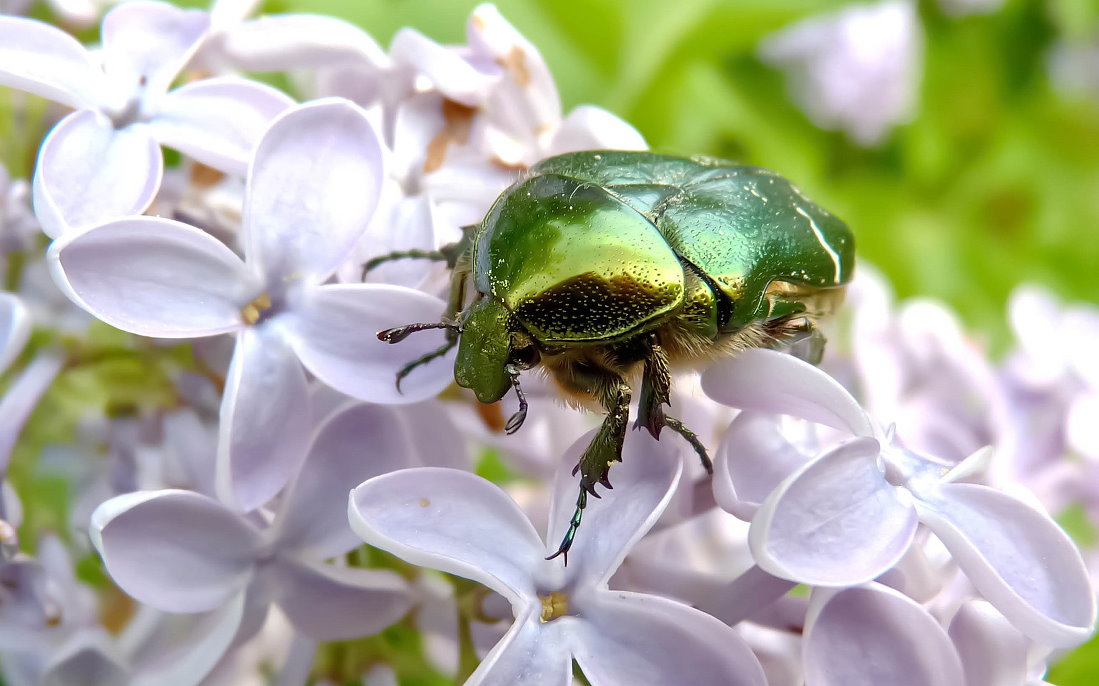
575	263
742	227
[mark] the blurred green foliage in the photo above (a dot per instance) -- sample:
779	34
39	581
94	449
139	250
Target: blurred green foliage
995	182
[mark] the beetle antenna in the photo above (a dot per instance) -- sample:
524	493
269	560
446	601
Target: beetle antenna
516	420
400	333
574	524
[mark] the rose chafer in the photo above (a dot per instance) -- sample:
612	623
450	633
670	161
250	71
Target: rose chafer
609	267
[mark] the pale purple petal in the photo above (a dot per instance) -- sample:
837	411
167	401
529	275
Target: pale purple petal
46	61
873	635
836	522
15	328
352	445
442	446
588	127
193	654
1017	558
993	652
528	100
218	121
265	420
145	44
19	400
770	381
88	658
280	42
451	75
639	639
452	521
334	331
90	172
752	460
330	603
532	653
175	550
154	277
644	483
312	189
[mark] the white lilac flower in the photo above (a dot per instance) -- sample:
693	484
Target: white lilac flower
874	634
849	515
103	161
856	70
460	123
916	367
18	227
461	524
311	191
181	551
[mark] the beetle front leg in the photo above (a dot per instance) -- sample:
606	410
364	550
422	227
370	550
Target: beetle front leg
606	448
655	390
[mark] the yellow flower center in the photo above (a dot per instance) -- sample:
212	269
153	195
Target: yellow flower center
250	312
554	605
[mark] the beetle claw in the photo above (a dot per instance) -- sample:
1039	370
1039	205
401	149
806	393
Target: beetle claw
515	421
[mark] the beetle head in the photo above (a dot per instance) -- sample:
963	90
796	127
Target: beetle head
485	350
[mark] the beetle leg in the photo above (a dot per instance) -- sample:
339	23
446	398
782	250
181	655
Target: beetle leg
424	359
414	253
574	524
677	426
595	464
520	416
655	385
449	253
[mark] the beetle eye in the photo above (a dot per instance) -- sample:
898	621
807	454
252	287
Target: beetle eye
526	357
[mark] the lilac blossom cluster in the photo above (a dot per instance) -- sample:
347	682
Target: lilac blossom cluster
881	519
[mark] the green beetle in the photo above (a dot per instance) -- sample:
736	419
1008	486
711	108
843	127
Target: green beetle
608	266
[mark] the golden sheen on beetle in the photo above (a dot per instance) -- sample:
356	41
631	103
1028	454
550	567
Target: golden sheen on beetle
607	268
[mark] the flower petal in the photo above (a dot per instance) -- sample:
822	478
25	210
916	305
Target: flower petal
334	331
19	400
202	641
353	444
218	121
89	172
145	44
643	486
452	521
46	61
835	522
88	658
154	277
993	652
312	189
752	460
770	381
175	550
588	127
639	639
265	421
330	603
281	42
15	328
875	635
451	75
532	653
1017	558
